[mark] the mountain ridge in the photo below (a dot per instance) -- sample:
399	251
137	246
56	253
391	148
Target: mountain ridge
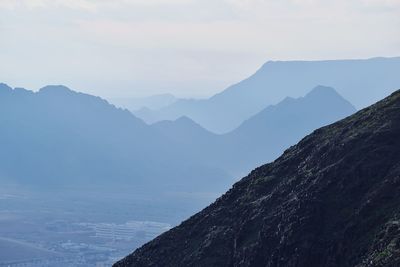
373	78
262	137
57	137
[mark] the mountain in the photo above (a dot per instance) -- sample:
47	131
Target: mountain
153	102
147	115
330	200
264	136
186	131
204	146
372	78
58	137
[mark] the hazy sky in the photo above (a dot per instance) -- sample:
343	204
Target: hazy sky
115	48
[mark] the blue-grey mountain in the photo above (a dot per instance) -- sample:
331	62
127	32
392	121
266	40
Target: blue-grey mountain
372	79
153	102
59	137
265	135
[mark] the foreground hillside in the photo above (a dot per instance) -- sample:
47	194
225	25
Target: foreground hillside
330	200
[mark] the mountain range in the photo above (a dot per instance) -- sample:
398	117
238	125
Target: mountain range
262	137
58	137
372	78
153	102
331	200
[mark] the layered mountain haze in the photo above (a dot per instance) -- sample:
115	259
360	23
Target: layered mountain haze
59	137
188	132
330	200
153	102
372	78
265	136
103	177
262	137
60	143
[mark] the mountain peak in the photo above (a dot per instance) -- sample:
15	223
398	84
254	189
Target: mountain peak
183	123
326	93
319	99
5	88
185	120
56	90
321	90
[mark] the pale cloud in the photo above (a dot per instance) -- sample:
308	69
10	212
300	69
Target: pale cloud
188	45
243	5
88	5
34	4
382	3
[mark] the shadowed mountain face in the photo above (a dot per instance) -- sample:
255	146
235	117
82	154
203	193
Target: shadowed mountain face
59	137
330	200
372	78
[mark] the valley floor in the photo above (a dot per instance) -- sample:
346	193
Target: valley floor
81	229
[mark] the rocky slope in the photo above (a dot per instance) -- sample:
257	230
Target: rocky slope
331	200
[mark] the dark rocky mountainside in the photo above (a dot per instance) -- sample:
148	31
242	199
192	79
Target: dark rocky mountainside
331	200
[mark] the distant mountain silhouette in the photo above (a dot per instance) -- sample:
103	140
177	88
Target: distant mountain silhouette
5	89
59	137
204	146
331	200
153	102
147	115
265	135
372	78
186	131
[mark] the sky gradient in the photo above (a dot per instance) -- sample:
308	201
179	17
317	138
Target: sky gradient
118	48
